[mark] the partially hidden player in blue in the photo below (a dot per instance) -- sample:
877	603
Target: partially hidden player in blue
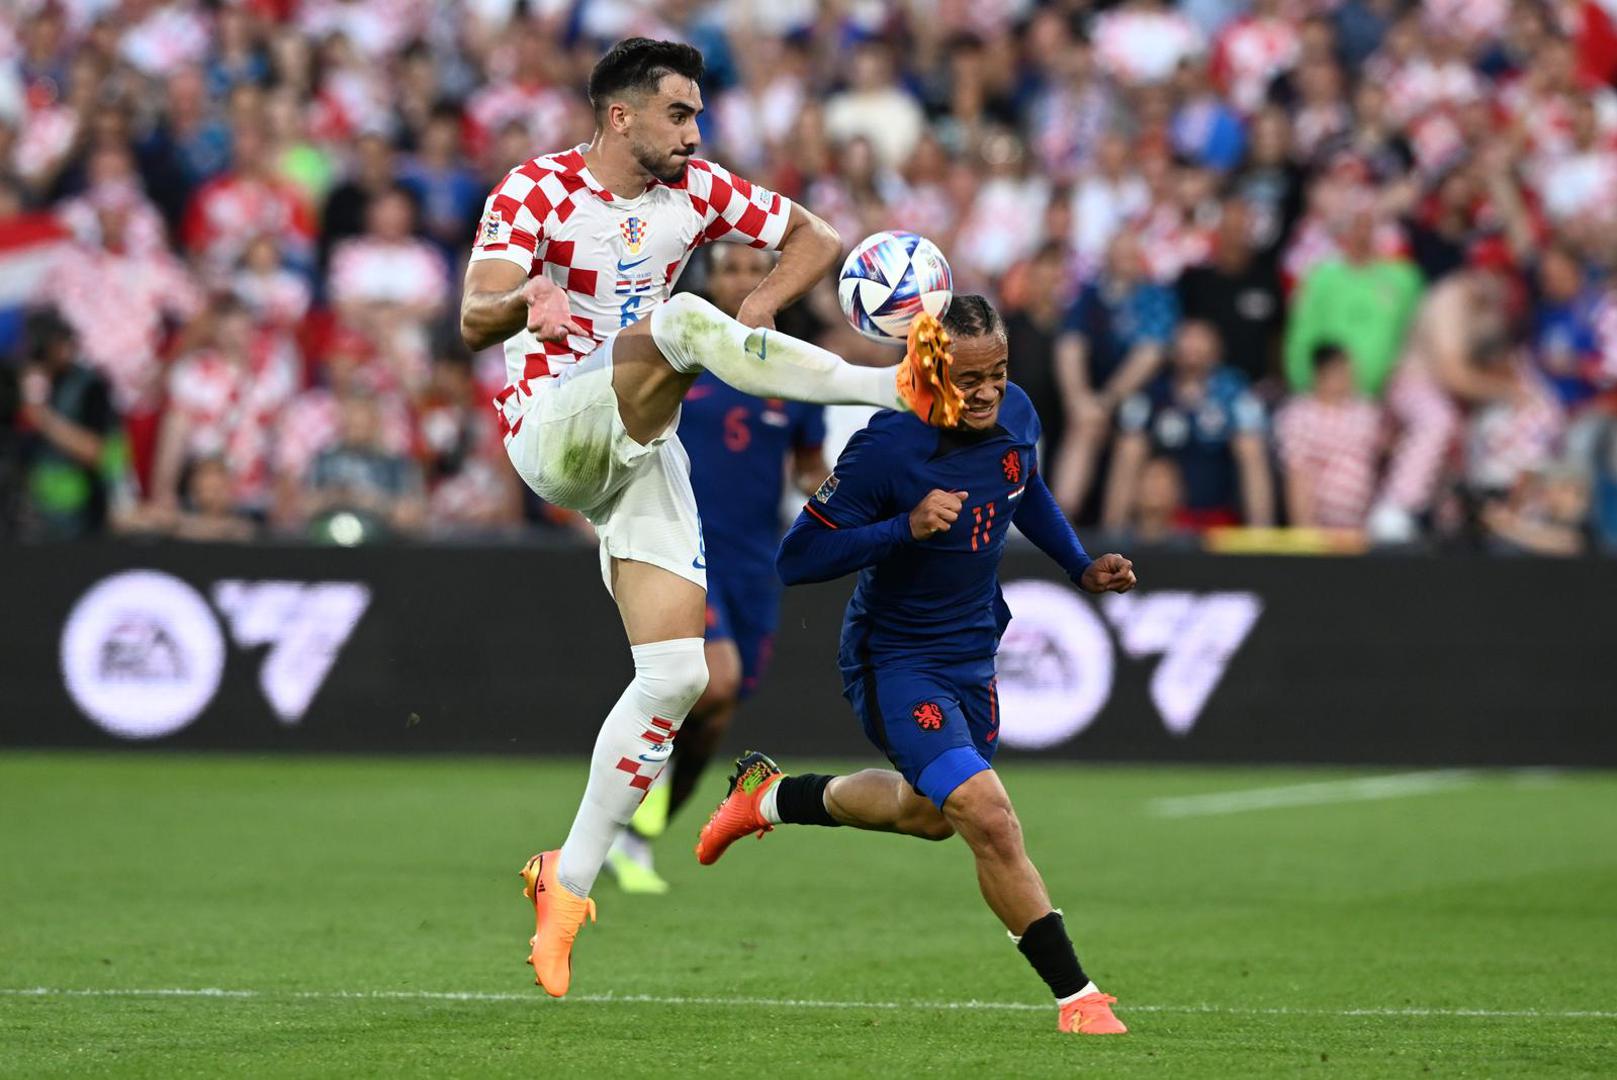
742	450
922	515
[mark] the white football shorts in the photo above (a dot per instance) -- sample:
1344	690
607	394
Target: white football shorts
570	446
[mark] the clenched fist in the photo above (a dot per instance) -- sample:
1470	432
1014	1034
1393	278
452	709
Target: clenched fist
1109	573
935	513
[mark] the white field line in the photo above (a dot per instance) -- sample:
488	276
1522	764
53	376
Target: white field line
536	997
1317	793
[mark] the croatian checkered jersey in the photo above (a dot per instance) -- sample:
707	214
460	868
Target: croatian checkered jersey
617	258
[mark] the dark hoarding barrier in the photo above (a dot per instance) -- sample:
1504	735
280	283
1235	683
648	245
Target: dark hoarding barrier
1454	661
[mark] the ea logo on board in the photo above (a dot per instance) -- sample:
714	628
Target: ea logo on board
142	654
1055	665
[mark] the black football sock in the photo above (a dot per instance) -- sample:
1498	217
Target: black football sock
690	761
800	800
1049	949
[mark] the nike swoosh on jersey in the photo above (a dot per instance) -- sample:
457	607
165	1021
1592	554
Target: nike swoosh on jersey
625	267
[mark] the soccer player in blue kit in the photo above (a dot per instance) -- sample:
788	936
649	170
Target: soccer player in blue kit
742	449
922	513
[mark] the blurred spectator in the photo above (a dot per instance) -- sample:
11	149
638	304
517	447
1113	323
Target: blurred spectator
207	513
386	283
149	286
1158	511
1330	441
449	192
1460	358
1359	301
1107	196
1238	291
1116	336
248	201
71	445
1143	41
1566	343
373	172
469	481
875	107
1201	414
225	400
1546	513
276	295
360	479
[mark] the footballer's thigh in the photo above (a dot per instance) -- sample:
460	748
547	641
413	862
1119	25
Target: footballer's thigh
648	389
652	555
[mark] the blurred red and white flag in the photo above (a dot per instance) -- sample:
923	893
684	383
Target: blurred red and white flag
28	243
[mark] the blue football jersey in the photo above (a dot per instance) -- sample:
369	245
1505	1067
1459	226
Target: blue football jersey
940	597
738	445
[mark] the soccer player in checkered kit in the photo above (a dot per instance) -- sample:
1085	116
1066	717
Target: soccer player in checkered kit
572	268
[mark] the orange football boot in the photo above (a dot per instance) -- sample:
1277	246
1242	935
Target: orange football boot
558	915
1091	1015
923	377
738	814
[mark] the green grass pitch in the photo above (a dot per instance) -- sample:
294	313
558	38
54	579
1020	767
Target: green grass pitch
362	918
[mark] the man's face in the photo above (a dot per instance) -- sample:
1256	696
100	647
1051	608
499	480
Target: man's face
981	368
736	272
661	129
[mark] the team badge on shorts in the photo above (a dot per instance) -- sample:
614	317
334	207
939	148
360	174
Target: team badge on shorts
634	233
928	716
823	493
1012	464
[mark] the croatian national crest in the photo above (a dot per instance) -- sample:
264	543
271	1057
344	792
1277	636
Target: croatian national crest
633	229
1011	463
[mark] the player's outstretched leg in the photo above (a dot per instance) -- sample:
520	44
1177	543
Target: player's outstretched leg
761	797
693	335
980	811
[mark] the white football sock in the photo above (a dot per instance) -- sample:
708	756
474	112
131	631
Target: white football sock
1089	988
630	752
696	336
766	805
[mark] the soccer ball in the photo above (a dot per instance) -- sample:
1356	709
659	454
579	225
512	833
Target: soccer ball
890	278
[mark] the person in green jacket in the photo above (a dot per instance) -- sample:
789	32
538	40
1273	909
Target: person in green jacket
1358	300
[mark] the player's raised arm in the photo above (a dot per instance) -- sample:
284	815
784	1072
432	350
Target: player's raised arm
808	251
1040	519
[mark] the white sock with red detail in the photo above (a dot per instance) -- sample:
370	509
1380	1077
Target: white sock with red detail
630	752
696	336
1089	988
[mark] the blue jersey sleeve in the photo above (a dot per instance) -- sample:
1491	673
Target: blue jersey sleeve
1040	518
850	522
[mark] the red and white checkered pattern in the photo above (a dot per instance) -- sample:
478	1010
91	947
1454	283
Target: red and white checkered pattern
231	210
310	425
1250	52
551	216
233	409
116	302
1337	447
366	270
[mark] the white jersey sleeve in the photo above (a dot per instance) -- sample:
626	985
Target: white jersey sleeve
736	210
513	220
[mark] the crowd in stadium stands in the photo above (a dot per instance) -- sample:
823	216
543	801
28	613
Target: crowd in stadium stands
1349	265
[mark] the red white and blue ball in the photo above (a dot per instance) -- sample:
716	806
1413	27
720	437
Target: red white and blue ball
890	278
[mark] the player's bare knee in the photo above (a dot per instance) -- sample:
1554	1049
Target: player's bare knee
927	826
993	831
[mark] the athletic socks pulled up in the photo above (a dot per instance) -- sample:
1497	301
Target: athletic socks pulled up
630	752
696	336
1048	948
798	800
